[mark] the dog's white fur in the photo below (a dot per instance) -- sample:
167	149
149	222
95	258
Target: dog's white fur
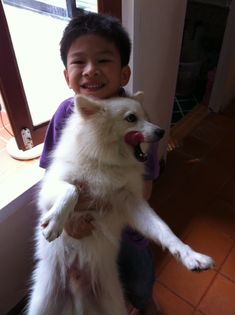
92	150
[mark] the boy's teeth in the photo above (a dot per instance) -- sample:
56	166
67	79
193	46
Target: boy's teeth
93	86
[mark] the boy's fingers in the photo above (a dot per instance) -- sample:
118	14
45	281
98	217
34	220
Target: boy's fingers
80	228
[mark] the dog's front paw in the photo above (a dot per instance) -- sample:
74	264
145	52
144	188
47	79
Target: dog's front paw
51	226
195	261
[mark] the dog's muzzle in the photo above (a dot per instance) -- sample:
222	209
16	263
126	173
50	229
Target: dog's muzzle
135	138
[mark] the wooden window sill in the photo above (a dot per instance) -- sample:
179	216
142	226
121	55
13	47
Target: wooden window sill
17	176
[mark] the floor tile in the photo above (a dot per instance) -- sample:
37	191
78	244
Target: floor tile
219	300
222	156
228	269
170	304
196	147
189	285
2	144
207	178
162	258
208	132
223	215
223	120
227	191
207	239
5	134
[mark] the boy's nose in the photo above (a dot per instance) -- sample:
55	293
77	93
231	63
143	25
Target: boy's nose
90	70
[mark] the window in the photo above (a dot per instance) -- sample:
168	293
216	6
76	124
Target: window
26	100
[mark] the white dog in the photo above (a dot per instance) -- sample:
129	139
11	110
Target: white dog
99	148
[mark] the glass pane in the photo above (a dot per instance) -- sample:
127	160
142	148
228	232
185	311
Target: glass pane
89	5
56	3
36	36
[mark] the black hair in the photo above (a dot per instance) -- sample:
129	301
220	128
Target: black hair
108	27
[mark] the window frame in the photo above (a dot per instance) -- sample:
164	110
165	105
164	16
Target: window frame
11	85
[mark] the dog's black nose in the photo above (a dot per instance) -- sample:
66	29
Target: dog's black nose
159	132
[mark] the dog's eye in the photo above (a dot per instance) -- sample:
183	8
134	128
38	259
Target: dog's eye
131	118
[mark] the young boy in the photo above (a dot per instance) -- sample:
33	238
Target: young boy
95	50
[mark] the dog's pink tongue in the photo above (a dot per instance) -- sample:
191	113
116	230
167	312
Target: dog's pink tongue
134	138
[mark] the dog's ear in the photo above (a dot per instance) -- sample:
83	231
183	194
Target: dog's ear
138	96
87	106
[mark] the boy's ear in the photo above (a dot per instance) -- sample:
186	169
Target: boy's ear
125	75
86	106
66	76
138	96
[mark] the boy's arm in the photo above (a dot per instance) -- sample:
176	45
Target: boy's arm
49	144
54	130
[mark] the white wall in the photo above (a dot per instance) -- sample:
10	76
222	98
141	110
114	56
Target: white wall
156	29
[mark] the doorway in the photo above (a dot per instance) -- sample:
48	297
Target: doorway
205	24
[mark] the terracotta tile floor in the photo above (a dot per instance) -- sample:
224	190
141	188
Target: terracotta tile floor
195	195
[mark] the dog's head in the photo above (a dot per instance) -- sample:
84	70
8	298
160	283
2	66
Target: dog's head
118	124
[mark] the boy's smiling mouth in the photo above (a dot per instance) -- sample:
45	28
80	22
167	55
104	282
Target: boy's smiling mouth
92	86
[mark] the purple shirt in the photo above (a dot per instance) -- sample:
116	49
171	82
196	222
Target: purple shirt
55	127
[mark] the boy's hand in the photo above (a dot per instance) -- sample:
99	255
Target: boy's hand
80	227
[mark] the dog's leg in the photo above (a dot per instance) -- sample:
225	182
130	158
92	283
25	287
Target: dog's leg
77	291
145	220
111	299
53	220
100	296
47	296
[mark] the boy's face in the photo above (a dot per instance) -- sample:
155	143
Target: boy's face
94	67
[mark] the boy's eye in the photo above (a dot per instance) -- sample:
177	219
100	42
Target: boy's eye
131	118
78	62
104	60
